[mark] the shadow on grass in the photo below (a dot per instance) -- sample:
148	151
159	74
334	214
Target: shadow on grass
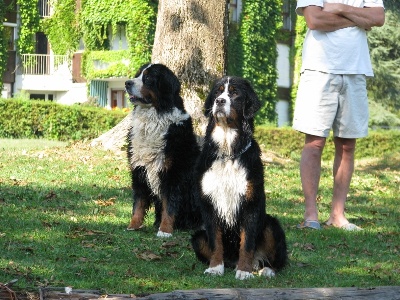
68	240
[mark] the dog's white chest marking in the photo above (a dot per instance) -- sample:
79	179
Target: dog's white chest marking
147	138
224	137
225	183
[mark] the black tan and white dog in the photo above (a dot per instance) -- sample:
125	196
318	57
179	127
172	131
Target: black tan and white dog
238	232
162	151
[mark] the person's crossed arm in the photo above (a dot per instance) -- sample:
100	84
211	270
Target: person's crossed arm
334	16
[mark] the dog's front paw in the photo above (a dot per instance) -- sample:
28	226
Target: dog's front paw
243	275
134	227
217	270
162	234
135	223
267	272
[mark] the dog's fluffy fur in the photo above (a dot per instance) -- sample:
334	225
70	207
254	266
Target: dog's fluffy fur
162	151
238	232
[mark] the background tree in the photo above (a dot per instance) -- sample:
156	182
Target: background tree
385	55
191	39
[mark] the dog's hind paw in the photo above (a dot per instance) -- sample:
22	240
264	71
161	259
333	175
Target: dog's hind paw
217	270
243	275
162	234
267	272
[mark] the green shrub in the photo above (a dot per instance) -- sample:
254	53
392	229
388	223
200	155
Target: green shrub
288	142
43	119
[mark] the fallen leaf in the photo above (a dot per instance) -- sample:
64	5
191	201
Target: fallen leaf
169	244
309	247
148	256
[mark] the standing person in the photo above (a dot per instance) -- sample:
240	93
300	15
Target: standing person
332	94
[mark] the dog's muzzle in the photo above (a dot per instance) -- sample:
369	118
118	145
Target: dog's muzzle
220	107
129	85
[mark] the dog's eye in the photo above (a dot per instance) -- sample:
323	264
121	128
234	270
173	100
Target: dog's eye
145	76
232	90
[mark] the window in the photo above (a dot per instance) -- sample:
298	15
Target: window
37	97
44	8
286	15
118	39
233	11
9	32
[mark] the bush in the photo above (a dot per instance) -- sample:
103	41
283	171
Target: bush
286	142
48	120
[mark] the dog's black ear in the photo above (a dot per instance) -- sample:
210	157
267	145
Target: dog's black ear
168	83
208	104
253	104
169	88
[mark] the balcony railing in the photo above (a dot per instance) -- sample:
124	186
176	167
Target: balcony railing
44	64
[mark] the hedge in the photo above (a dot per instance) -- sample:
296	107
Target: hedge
49	120
288	142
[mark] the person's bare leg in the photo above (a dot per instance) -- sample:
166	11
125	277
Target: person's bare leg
310	172
343	168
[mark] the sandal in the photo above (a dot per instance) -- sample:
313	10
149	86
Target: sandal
347	227
309	224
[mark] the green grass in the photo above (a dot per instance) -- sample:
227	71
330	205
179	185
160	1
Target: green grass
28	144
64	210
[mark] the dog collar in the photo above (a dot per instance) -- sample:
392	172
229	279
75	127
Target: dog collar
229	157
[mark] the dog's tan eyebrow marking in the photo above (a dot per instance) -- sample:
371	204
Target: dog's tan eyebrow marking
144	72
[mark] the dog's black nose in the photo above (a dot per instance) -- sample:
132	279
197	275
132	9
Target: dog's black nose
128	83
220	101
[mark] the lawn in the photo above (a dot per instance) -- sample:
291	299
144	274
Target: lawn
64	210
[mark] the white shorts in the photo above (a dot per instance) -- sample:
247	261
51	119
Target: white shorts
330	101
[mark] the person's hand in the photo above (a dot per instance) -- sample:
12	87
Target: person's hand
334	8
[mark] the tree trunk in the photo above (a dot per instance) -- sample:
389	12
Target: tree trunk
191	39
114	139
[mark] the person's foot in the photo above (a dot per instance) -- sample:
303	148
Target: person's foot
309	224
347	226
337	221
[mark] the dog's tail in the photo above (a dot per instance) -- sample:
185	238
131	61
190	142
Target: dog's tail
200	246
280	258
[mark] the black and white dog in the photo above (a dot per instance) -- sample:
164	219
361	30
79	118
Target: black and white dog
162	151
238	232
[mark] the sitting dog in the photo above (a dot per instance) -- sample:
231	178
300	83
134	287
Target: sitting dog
237	231
162	151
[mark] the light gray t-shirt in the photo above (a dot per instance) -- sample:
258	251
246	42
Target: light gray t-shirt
343	51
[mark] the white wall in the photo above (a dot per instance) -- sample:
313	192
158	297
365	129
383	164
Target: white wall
6	91
76	94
